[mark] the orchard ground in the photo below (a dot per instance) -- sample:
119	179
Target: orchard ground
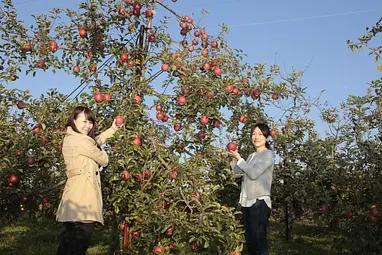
42	237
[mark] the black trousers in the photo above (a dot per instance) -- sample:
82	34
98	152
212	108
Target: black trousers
75	238
256	223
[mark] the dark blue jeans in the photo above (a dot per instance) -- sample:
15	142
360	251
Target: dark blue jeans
75	238
255	223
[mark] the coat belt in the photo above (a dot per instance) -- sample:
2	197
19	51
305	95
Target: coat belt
75	172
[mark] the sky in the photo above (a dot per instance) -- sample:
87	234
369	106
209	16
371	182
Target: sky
304	34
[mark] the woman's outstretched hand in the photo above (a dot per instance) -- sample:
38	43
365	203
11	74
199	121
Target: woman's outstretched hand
234	154
115	126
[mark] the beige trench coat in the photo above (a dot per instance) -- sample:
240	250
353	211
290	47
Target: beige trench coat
82	196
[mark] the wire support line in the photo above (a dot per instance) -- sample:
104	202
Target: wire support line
304	18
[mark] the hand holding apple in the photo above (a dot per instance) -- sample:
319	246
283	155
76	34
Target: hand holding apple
234	154
117	123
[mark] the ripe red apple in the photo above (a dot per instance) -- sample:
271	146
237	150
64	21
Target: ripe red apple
235	91
19	152
138	177
30	160
206	66
217	71
151	38
121	11
243	118
214	44
28	47
122	226
76	69
160	116
124	57
229	88
146	173
182	100
137	99
92	68
137	6
275	96
45	200
119	120
164	67
83	33
149	13
177	126
131	63
273	132
348	213
165	118
373	210
98	97
202	134
107	97
134	234
137	141
216	123
125	175
324	208
255	93
171	246
158	250
158	107
14	179
205	53
170	231
173	173
53	48
231	146
204	119
40	63
21	105
36	129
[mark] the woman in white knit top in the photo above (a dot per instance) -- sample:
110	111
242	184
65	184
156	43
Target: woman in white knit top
255	199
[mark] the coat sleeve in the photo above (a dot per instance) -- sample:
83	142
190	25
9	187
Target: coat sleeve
236	169
257	167
101	138
90	150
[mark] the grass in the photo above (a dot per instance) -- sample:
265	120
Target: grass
41	238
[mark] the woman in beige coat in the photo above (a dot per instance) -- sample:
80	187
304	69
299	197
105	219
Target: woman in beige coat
81	204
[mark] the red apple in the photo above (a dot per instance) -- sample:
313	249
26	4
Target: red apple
229	88
170	231
121	11
40	63
137	6
137	141
243	118
28	47
137	99
76	69
107	97
45	200
146	173
138	177
124	57
160	116
182	100
19	152
196	34
36	129
14	179
216	123
158	107
204	119
214	44
373	210
122	226
165	118
151	38
275	96
134	234
177	126
83	33
217	71
21	105
273	132
255	93
158	250
231	146
119	120
149	13
164	67
202	134
98	97
30	160
324	208
125	175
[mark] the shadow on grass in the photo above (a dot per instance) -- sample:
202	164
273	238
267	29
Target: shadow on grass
42	238
308	239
